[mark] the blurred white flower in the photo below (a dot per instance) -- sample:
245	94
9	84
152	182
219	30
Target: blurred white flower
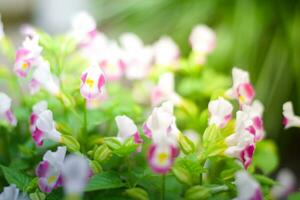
166	52
42	75
247	187
5	109
75	173
287	184
12	193
202	39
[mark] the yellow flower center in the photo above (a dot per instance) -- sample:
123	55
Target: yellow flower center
162	157
24	65
51	179
89	82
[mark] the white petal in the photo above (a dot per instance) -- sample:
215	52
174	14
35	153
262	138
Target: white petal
45	121
126	126
75	174
40	107
5	102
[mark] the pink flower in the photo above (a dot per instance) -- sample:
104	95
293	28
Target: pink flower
242	89
49	170
92	82
220	112
290	119
27	55
5	109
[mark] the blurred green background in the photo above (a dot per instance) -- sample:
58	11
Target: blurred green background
262	37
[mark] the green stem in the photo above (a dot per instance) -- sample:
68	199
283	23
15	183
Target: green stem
163	180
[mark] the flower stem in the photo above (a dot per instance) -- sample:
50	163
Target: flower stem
163	180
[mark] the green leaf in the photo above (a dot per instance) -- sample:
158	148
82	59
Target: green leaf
37	196
15	177
104	180
265	180
294	196
266	156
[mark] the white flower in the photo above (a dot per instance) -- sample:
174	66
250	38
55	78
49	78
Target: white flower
166	52
12	193
202	39
165	91
75	173
126	127
247	187
46	124
161	124
290	119
220	112
43	76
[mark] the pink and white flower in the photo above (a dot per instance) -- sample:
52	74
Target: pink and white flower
42	125
241	144
128	129
202	39
27	56
5	109
137	57
49	171
255	112
84	28
242	89
12	193
42	76
92	82
35	132
75	172
162	118
165	91
163	131
290	119
247	187
220	112
166	52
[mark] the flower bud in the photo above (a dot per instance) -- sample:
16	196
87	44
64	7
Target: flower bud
137	194
113	143
186	145
102	153
70	142
182	174
96	167
197	192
